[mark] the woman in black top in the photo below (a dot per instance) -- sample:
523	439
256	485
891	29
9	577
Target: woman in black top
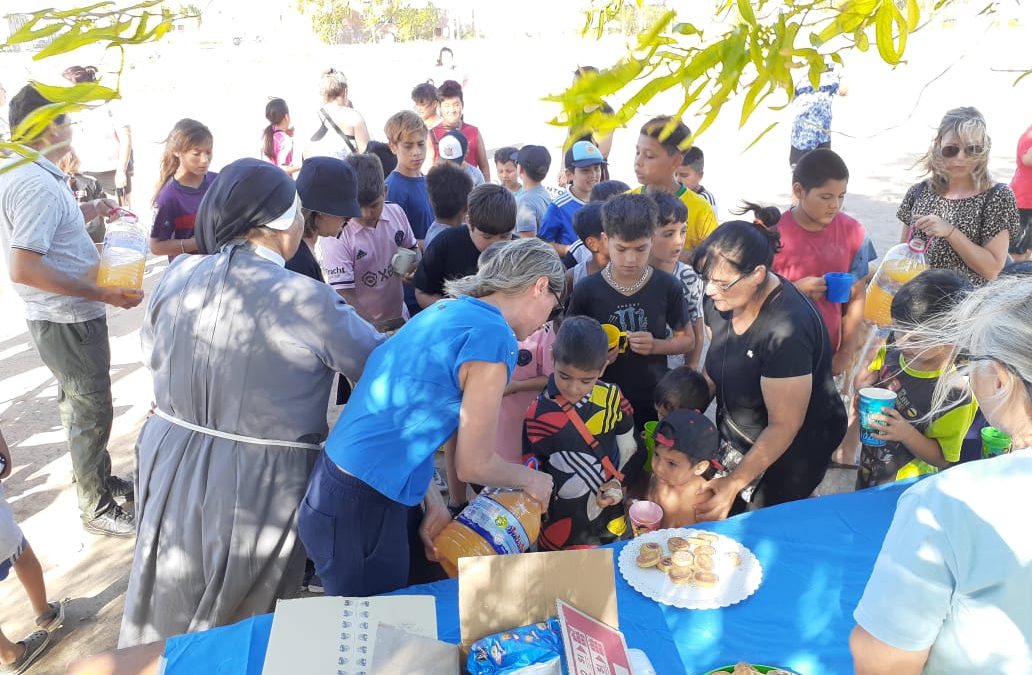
769	363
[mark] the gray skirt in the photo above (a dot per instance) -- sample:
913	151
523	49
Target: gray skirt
216	531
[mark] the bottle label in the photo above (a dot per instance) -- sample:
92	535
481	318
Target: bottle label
499	527
125	239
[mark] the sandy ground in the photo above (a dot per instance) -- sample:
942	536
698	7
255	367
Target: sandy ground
882	127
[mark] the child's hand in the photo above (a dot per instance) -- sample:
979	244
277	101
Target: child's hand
609	493
892	426
839	363
815	287
641	342
865	378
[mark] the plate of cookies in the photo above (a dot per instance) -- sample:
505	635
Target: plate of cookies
691	569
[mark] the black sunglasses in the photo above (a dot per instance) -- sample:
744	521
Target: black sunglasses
950	151
557	311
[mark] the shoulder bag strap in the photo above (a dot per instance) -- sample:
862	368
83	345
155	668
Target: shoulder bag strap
589	438
347	139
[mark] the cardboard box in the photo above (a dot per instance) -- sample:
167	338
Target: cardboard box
500	592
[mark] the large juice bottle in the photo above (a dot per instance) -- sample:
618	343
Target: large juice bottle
902	263
125	252
497	522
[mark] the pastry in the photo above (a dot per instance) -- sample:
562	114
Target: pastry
665	564
705	549
676	544
744	669
707	536
682	575
705	579
704	563
696	541
649	555
682	559
734	558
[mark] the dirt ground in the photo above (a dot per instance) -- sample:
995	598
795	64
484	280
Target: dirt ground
883	126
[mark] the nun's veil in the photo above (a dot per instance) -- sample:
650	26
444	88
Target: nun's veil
248	193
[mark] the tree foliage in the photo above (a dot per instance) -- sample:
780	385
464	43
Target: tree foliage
761	48
61	32
334	21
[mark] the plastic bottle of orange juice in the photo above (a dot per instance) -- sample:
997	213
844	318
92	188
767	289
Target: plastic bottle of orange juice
497	522
902	263
125	252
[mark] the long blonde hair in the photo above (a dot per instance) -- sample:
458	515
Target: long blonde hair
511	267
969	127
186	134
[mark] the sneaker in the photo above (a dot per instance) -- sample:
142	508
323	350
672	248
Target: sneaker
314	585
113	523
120	488
35	643
51	619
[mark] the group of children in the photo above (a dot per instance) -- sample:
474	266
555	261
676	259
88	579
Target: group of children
633	305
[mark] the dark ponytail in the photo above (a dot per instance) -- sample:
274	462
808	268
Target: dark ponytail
742	244
275	111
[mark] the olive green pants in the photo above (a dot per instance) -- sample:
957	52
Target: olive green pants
79	356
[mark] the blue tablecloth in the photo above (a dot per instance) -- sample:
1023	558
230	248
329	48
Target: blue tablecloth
816	554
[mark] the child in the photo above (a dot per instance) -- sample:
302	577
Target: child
683	463
914	444
86	189
387	159
637	299
667	244
585	162
327	189
682	388
811	128
449	188
817	238
578	253
657	157
608	188
425	102
359	260
407	137
532	202
691	171
183	178
278	137
587	223
505	165
455	252
581	431
15	553
452	148
452	104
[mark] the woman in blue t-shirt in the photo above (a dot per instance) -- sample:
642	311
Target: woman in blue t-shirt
438	381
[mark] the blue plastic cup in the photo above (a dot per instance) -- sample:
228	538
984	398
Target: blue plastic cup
872	402
840	286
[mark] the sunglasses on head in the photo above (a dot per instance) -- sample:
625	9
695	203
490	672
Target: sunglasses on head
952	150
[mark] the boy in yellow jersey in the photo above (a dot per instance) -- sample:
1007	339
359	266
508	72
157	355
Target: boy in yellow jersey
657	158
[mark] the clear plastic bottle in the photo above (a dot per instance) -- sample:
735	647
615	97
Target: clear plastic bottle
125	252
497	522
902	263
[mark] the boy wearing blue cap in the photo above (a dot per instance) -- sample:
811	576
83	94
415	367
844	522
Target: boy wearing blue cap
584	161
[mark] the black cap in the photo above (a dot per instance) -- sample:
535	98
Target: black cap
328	185
691	432
535	159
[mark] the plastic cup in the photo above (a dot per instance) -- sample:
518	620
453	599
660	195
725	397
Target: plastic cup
872	401
840	286
994	442
404	261
645	517
616	337
649	435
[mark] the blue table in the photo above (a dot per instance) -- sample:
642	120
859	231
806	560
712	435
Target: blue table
816	554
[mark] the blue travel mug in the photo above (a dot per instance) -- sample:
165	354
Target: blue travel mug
872	401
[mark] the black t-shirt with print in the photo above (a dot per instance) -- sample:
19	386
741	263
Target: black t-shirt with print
451	255
787	339
656	305
304	262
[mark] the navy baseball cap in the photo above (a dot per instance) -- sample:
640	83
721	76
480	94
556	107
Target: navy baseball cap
583	153
328	185
690	432
535	159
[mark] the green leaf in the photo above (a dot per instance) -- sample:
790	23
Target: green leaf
27	34
753	98
760	137
80	93
913	15
745	9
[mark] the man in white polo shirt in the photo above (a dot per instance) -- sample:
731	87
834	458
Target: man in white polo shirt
52	262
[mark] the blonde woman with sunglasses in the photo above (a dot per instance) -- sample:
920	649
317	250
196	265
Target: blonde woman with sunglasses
969	220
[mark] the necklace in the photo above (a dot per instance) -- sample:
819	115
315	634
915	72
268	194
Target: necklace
607	274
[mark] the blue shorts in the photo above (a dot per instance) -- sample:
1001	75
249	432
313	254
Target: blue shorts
357	537
6	565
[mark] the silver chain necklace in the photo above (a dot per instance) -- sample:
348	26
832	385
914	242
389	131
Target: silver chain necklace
608	274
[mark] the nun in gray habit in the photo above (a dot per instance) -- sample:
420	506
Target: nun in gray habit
243	353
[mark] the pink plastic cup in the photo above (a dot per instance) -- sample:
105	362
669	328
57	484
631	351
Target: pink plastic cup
645	517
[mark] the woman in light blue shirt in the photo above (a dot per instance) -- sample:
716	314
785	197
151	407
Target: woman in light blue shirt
951	591
438	381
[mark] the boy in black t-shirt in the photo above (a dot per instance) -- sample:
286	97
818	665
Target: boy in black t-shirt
454	253
637	299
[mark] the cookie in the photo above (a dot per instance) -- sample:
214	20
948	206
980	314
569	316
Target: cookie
682	576
676	544
705	579
665	564
649	555
704	563
696	541
705	549
733	558
682	559
707	536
